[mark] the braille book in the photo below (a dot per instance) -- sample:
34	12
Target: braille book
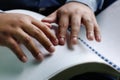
68	62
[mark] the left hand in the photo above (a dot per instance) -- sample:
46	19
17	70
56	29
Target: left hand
74	14
16	29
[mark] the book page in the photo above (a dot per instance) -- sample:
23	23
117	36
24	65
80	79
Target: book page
109	47
64	57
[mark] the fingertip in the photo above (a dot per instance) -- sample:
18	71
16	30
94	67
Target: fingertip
74	40
98	36
24	59
39	57
55	42
61	40
98	39
51	49
47	19
90	36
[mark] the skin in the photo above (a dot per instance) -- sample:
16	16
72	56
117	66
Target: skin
74	14
16	29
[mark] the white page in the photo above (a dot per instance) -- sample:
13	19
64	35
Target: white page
109	47
12	69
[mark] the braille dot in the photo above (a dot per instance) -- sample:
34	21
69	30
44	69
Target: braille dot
110	63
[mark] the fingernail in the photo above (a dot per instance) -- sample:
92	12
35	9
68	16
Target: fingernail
24	59
62	40
52	48
55	42
74	40
40	57
98	38
90	36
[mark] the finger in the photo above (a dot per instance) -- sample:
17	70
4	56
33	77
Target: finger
46	31
2	39
35	32
97	33
51	18
97	30
63	23
88	22
28	42
48	24
12	44
75	28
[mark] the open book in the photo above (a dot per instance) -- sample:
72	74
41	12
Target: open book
65	63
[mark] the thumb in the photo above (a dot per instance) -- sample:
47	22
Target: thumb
51	18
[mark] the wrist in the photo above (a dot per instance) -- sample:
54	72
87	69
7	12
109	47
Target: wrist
90	3
1	11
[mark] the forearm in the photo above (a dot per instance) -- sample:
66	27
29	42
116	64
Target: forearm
93	4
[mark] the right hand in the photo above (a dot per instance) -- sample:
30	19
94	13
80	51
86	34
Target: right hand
73	15
19	28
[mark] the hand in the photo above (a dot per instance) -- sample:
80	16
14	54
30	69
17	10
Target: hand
74	14
19	28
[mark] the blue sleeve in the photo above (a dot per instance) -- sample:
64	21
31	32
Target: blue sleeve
93	4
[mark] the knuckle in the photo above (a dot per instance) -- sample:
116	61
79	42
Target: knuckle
75	30
27	40
11	44
88	20
21	20
62	31
75	23
63	25
97	29
8	41
24	19
96	26
46	43
37	33
46	28
63	11
76	12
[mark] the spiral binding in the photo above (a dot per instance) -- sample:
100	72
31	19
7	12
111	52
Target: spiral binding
101	56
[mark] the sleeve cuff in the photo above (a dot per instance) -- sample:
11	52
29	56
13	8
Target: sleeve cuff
93	4
1	11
